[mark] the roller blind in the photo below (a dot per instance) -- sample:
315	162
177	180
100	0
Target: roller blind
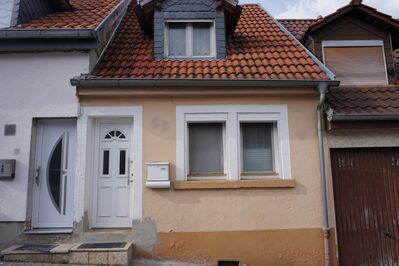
205	148
357	65
257	154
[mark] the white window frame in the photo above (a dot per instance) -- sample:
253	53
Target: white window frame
357	43
232	116
189	39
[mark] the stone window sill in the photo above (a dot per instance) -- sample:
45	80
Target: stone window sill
233	184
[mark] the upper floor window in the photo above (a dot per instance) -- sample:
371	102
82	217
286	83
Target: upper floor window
356	62
190	39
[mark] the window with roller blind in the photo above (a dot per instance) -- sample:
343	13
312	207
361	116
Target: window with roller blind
206	145
232	142
256	148
356	62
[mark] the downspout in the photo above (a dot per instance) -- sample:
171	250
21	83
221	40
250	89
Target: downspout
326	225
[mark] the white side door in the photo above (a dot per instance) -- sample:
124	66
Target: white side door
112	185
54	174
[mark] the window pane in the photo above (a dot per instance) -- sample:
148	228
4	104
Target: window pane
122	162
177	39
257	155
205	148
202	39
106	163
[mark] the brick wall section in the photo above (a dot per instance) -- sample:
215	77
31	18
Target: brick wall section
184	10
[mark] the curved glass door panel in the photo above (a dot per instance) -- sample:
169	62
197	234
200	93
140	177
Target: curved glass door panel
55	174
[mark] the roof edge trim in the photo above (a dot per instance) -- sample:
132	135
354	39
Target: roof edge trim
122	4
48	34
328	72
126	82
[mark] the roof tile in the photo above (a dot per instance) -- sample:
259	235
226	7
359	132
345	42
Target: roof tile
382	100
88	14
259	48
297	27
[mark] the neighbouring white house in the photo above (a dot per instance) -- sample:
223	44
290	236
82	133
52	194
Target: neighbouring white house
43	44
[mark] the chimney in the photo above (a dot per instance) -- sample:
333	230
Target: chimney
356	2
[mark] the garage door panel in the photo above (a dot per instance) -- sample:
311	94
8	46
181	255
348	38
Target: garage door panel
366	202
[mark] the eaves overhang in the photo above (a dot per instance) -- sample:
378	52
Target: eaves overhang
128	82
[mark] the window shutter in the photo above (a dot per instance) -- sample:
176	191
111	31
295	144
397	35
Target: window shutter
257	154
357	65
205	148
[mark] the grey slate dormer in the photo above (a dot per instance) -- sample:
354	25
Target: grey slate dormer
16	12
189	10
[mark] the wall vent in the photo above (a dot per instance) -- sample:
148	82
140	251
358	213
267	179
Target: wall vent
228	263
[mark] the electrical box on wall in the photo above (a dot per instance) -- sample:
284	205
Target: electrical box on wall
7	169
158	175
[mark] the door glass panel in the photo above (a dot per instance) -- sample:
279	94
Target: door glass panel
115	134
106	163
54	175
122	162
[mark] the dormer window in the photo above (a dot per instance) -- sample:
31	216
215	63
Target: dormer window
190	39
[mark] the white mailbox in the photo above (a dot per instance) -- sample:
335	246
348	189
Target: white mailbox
158	175
7	169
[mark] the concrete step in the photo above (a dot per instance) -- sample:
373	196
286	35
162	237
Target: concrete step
78	253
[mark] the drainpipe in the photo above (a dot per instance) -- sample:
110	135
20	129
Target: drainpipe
326	225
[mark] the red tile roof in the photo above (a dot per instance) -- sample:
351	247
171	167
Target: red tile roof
364	100
298	27
88	14
259	49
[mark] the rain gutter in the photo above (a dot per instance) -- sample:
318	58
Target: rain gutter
353	118
126	82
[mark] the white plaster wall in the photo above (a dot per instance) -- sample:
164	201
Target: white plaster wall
32	86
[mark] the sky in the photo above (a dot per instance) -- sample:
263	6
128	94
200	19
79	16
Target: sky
313	8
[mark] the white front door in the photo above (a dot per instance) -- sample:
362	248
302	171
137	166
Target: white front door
54	174
112	189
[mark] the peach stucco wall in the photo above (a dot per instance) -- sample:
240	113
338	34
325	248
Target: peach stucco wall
231	210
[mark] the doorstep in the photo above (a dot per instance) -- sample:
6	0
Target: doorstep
78	253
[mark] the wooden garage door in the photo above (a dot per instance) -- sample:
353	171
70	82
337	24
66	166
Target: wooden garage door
366	194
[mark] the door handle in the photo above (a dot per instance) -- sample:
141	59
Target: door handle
37	175
128	171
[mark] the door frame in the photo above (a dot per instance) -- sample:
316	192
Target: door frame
37	152
96	148
85	157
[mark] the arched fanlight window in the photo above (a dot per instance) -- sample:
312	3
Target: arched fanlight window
115	134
